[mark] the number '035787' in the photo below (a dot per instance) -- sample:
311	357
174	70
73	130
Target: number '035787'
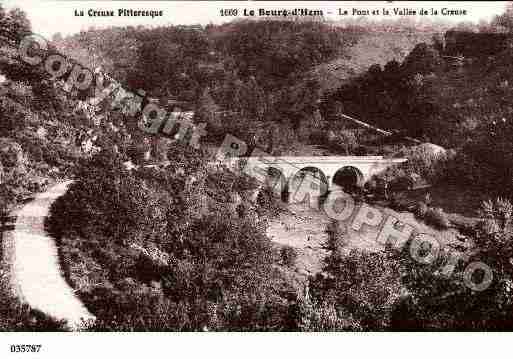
25	348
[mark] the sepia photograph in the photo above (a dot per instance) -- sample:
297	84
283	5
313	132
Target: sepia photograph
254	166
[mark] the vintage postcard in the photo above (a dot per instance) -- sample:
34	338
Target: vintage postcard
253	166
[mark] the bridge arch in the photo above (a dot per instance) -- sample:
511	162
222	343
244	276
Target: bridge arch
299	185
348	177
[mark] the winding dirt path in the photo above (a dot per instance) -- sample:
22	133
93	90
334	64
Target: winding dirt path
32	258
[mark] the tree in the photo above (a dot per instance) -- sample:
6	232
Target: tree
365	285
14	24
422	59
504	21
206	109
57	37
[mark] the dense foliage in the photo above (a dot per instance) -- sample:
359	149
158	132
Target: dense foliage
459	103
169	241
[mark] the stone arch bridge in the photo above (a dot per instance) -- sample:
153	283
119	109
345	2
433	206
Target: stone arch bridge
324	173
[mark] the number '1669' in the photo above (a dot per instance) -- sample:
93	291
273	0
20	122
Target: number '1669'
229	12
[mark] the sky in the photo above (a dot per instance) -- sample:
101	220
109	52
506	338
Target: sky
49	17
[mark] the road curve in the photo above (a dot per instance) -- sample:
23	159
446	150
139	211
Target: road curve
33	263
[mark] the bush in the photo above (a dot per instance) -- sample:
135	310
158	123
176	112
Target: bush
399	202
269	203
469	170
336	236
316	316
495	225
389	181
434	301
106	201
11	153
489	152
366	285
337	140
427	161
288	256
421	209
400	184
12	117
347	139
437	218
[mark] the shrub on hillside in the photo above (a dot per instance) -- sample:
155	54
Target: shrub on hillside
269	203
490	149
495	224
288	256
341	140
12	117
421	209
11	153
427	161
423	59
361	287
20	318
466	169
212	271
437	218
422	165
399	202
105	200
345	140
433	301
219	277
336	238
18	183
438	300
323	316
367	285
223	183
